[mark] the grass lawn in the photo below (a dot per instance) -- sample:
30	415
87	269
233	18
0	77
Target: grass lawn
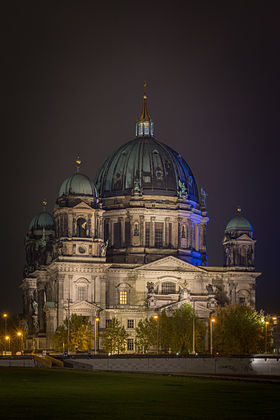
45	393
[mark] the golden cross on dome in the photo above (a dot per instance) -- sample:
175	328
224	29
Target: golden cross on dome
44	203
78	163
239	210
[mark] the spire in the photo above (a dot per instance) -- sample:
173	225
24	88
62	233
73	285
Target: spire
144	126
78	164
44	204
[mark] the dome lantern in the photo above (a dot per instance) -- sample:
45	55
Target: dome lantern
144	126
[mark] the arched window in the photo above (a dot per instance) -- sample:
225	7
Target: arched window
168	288
82	228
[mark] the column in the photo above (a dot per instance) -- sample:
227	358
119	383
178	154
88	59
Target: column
167	232
141	227
152	232
122	222
60	299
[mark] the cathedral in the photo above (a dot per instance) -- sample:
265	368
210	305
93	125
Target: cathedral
129	245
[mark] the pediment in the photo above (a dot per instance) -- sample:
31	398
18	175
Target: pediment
83	306
82	206
170	264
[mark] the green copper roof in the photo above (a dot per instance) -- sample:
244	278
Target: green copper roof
149	166
77	184
238	223
42	220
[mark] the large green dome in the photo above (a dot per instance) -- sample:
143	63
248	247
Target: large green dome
77	184
154	166
43	220
238	223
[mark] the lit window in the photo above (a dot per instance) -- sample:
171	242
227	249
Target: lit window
130	344
82	294
123	298
130	323
168	288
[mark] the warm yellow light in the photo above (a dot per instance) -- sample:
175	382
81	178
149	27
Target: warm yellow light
19	333
5	315
274	318
266	322
155	316
97	319
213	320
7	337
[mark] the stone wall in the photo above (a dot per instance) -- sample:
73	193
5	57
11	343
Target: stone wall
200	365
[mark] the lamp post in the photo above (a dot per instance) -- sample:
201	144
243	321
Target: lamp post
156	319
276	335
5	316
7	338
20	336
193	330
212	321
95	333
265	336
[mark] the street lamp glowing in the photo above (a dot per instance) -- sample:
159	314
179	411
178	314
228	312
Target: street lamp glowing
19	333
155	317
266	322
7	337
5	315
212	321
274	318
97	319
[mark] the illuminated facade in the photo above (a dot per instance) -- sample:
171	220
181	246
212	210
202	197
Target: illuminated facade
130	245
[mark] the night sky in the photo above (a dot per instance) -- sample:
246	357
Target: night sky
72	78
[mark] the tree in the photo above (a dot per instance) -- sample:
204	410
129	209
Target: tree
146	334
173	330
238	330
176	330
80	334
114	338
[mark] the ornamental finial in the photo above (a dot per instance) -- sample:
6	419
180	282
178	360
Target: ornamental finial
145	126
44	204
239	209
78	163
145	87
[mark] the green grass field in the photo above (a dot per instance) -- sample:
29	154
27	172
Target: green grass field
45	393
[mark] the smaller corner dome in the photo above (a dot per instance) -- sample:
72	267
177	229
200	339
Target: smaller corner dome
77	184
43	220
239	223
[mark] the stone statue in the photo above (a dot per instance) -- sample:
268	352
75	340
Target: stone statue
228	259
182	191
151	287
209	289
137	188
35	306
103	249
136	230
203	197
